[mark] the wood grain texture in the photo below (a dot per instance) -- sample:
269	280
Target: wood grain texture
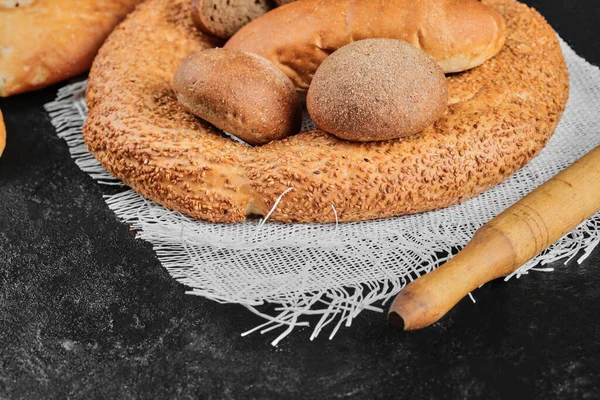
505	243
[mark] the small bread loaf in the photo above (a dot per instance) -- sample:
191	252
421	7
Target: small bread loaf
2	134
223	18
239	92
458	34
377	89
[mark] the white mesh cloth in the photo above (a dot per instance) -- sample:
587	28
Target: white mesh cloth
325	275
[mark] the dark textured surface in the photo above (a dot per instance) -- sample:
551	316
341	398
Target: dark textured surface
86	310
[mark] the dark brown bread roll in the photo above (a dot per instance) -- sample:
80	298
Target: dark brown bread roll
377	89
241	93
223	18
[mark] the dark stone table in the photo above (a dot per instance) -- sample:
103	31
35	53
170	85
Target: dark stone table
87	311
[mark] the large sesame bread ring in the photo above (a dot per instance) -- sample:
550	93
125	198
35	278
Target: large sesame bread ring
46	41
500	115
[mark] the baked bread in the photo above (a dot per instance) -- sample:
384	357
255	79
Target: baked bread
241	93
377	89
223	18
2	134
458	34
500	115
45	41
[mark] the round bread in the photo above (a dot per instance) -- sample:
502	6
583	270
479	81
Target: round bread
241	93
2	134
500	115
46	41
377	89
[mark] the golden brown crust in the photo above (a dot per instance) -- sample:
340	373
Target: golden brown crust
501	114
377	89
239	92
45	41
458	34
2	134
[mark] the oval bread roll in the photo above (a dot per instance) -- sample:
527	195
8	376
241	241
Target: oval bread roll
458	34
377	89
241	93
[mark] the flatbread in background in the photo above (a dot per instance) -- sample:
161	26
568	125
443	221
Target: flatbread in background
46	41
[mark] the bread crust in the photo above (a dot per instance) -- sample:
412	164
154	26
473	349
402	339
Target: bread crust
2	134
377	89
223	20
458	34
265	106
46	41
500	115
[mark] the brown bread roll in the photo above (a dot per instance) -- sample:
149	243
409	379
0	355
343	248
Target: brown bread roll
458	34
239	92
377	89
223	18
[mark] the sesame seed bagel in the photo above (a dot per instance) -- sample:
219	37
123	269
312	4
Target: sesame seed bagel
500	115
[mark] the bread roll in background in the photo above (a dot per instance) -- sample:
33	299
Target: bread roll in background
223	18
377	89
238	92
458	34
46	41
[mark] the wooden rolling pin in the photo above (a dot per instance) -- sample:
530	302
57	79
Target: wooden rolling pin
504	244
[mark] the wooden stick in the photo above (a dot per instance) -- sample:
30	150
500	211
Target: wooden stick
504	244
